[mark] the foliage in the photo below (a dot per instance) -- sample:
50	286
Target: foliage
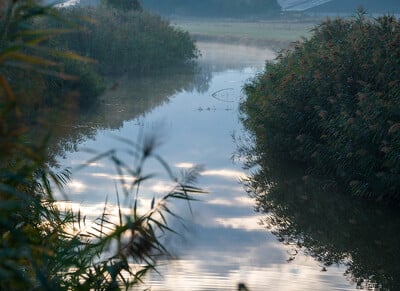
53	77
43	247
134	42
332	104
214	8
85	83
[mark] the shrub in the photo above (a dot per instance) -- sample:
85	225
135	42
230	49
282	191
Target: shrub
85	83
131	42
332	103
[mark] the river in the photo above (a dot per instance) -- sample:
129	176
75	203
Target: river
222	241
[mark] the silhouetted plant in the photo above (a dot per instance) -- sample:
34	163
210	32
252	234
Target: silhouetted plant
332	104
43	247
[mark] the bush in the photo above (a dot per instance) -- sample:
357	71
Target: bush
85	83
332	103
131	42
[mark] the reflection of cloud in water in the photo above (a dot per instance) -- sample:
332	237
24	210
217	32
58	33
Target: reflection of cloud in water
88	164
193	275
161	186
249	223
184	165
76	186
233	201
93	211
114	177
226	173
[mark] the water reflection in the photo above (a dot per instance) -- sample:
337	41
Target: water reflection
221	241
129	98
126	99
333	228
218	57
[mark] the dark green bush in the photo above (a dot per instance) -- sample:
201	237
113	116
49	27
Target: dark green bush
333	103
131	42
85	83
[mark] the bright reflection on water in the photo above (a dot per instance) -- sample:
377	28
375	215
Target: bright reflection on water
222	242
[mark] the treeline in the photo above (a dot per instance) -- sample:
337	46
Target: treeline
214	8
333	103
346	6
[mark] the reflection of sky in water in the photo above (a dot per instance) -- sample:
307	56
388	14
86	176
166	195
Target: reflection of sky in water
222	243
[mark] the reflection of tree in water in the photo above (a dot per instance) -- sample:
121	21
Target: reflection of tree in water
333	228
126	99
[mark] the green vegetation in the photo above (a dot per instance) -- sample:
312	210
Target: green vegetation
276	34
332	104
93	47
126	42
42	246
214	8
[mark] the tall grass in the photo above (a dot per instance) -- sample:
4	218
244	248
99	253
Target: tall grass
332	104
43	247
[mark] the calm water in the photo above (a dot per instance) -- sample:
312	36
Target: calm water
223	242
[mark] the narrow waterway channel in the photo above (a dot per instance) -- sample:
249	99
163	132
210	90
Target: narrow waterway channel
222	241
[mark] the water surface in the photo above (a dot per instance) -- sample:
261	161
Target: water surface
223	241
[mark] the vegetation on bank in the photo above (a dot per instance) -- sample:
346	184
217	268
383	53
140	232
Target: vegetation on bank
131	42
42	246
215	8
332	104
94	45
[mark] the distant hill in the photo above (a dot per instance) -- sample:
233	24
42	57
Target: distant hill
213	8
350	6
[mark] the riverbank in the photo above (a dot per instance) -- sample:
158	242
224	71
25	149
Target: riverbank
331	104
275	34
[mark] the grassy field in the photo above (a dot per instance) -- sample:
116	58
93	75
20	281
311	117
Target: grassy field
277	34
